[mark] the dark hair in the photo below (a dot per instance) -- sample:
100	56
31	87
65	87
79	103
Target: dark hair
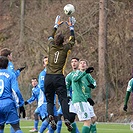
75	58
5	52
59	39
44	58
35	79
3	62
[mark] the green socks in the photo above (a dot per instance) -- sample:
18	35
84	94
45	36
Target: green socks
93	128
85	129
74	127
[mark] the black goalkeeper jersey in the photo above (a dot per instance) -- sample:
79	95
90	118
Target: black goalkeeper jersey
57	56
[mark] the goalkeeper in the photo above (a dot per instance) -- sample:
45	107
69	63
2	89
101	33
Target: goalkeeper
55	80
129	90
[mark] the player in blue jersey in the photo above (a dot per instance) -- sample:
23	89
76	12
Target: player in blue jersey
37	96
43	112
8	53
35	93
8	89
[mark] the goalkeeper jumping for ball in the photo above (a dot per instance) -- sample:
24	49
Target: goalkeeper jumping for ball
55	80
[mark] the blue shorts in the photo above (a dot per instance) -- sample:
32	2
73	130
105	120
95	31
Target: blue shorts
8	112
42	111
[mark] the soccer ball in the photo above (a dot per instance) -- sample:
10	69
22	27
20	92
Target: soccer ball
69	9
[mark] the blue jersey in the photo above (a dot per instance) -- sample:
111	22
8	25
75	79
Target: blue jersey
11	69
35	94
41	98
42	103
38	95
9	90
41	79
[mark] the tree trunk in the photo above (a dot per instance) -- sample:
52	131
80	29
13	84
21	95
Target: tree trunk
22	22
102	50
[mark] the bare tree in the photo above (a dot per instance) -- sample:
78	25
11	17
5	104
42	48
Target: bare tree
102	49
22	22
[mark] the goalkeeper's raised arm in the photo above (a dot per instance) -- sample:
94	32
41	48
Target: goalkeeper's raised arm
58	22
70	23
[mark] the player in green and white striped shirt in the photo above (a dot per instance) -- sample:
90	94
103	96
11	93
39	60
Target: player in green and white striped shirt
89	84
129	90
80	105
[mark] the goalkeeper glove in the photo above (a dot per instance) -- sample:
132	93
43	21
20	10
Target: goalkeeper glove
69	99
125	108
89	70
21	68
91	101
91	86
57	22
26	103
22	110
71	22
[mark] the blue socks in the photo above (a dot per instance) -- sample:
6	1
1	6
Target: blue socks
59	125
11	130
36	124
44	126
18	131
50	129
1	131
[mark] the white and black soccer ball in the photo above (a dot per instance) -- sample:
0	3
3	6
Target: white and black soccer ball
69	9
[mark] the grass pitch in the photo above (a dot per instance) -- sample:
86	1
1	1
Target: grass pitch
26	125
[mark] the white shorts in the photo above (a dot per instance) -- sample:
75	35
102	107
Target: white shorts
92	111
82	109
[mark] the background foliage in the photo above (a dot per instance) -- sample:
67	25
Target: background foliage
39	16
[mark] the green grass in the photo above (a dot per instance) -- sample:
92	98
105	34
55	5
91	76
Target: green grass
26	125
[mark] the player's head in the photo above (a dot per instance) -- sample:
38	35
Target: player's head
75	63
83	64
3	62
59	39
45	61
7	53
34	82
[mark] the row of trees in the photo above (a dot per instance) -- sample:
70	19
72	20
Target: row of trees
103	36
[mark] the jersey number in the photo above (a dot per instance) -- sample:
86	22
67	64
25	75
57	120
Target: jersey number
56	56
1	87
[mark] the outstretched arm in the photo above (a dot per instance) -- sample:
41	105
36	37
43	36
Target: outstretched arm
58	22
126	100
70	24
128	92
